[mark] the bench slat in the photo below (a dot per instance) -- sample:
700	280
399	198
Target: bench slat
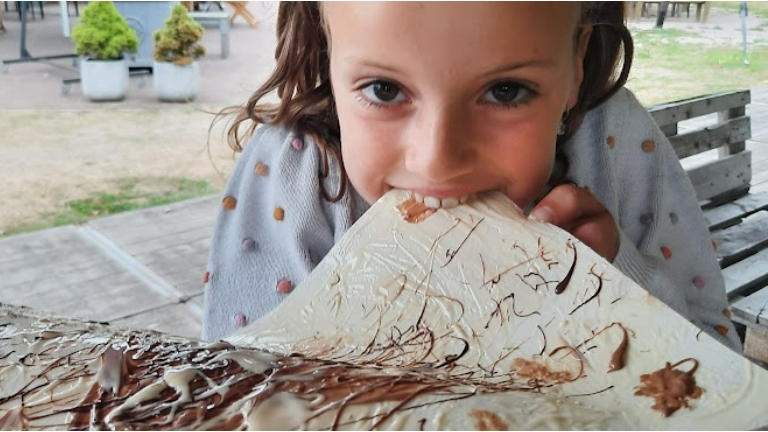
729	132
674	112
740	241
746	275
731	213
753	310
722	175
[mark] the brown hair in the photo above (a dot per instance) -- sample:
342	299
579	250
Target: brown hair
302	82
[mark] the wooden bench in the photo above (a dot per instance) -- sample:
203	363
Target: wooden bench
737	218
212	18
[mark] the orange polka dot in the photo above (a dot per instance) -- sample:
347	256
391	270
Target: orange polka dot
723	330
727	313
206	277
611	141
229	202
279	213
284	286
667	252
648	146
261	169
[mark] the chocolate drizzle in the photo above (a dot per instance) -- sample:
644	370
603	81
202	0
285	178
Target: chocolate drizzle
617	359
146	380
670	388
562	285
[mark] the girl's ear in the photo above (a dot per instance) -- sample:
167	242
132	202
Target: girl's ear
581	52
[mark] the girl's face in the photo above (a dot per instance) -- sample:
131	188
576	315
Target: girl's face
452	99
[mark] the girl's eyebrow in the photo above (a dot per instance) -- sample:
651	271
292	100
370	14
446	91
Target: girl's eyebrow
370	63
542	62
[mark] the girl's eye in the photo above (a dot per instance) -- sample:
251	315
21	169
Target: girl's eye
383	93
507	93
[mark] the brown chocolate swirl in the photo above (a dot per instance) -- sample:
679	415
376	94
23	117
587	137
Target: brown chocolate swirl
670	388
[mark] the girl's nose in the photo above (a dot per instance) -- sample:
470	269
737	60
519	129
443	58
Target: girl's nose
439	146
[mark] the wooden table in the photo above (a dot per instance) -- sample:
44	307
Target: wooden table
240	8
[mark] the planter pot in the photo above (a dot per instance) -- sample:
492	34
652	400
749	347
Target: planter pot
175	83
104	80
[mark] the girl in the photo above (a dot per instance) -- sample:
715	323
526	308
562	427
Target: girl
449	100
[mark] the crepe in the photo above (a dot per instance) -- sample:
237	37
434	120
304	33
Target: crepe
467	318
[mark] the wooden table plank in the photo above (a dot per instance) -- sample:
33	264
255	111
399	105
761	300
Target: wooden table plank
740	241
753	310
730	214
747	275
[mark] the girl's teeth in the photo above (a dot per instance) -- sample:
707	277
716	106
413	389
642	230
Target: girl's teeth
437	203
450	202
432	202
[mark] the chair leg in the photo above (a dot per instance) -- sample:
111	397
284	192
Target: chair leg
42	13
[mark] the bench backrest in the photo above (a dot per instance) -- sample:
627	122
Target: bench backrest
716	121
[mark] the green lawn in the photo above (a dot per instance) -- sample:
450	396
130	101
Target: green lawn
759	9
667	68
126	195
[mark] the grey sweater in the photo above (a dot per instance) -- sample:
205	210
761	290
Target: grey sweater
273	227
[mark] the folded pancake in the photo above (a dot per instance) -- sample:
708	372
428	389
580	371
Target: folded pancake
465	318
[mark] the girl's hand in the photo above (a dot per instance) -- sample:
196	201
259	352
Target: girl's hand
577	211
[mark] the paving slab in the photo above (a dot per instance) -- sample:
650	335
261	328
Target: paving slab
171	242
135	269
62	272
174	319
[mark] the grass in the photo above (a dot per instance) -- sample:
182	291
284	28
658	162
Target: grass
759	9
128	194
667	68
761	27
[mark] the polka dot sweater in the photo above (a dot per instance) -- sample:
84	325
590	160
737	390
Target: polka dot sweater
272	230
274	227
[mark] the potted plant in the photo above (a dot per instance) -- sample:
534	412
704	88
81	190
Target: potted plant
176	71
102	38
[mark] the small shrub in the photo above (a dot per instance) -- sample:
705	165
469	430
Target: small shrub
103	34
177	41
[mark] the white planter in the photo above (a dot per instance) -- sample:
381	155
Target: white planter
175	83
104	80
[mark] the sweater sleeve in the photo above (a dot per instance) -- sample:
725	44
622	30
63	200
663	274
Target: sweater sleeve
272	229
669	250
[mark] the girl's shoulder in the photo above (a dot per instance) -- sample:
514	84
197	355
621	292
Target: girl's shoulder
623	103
268	137
621	123
274	151
624	111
